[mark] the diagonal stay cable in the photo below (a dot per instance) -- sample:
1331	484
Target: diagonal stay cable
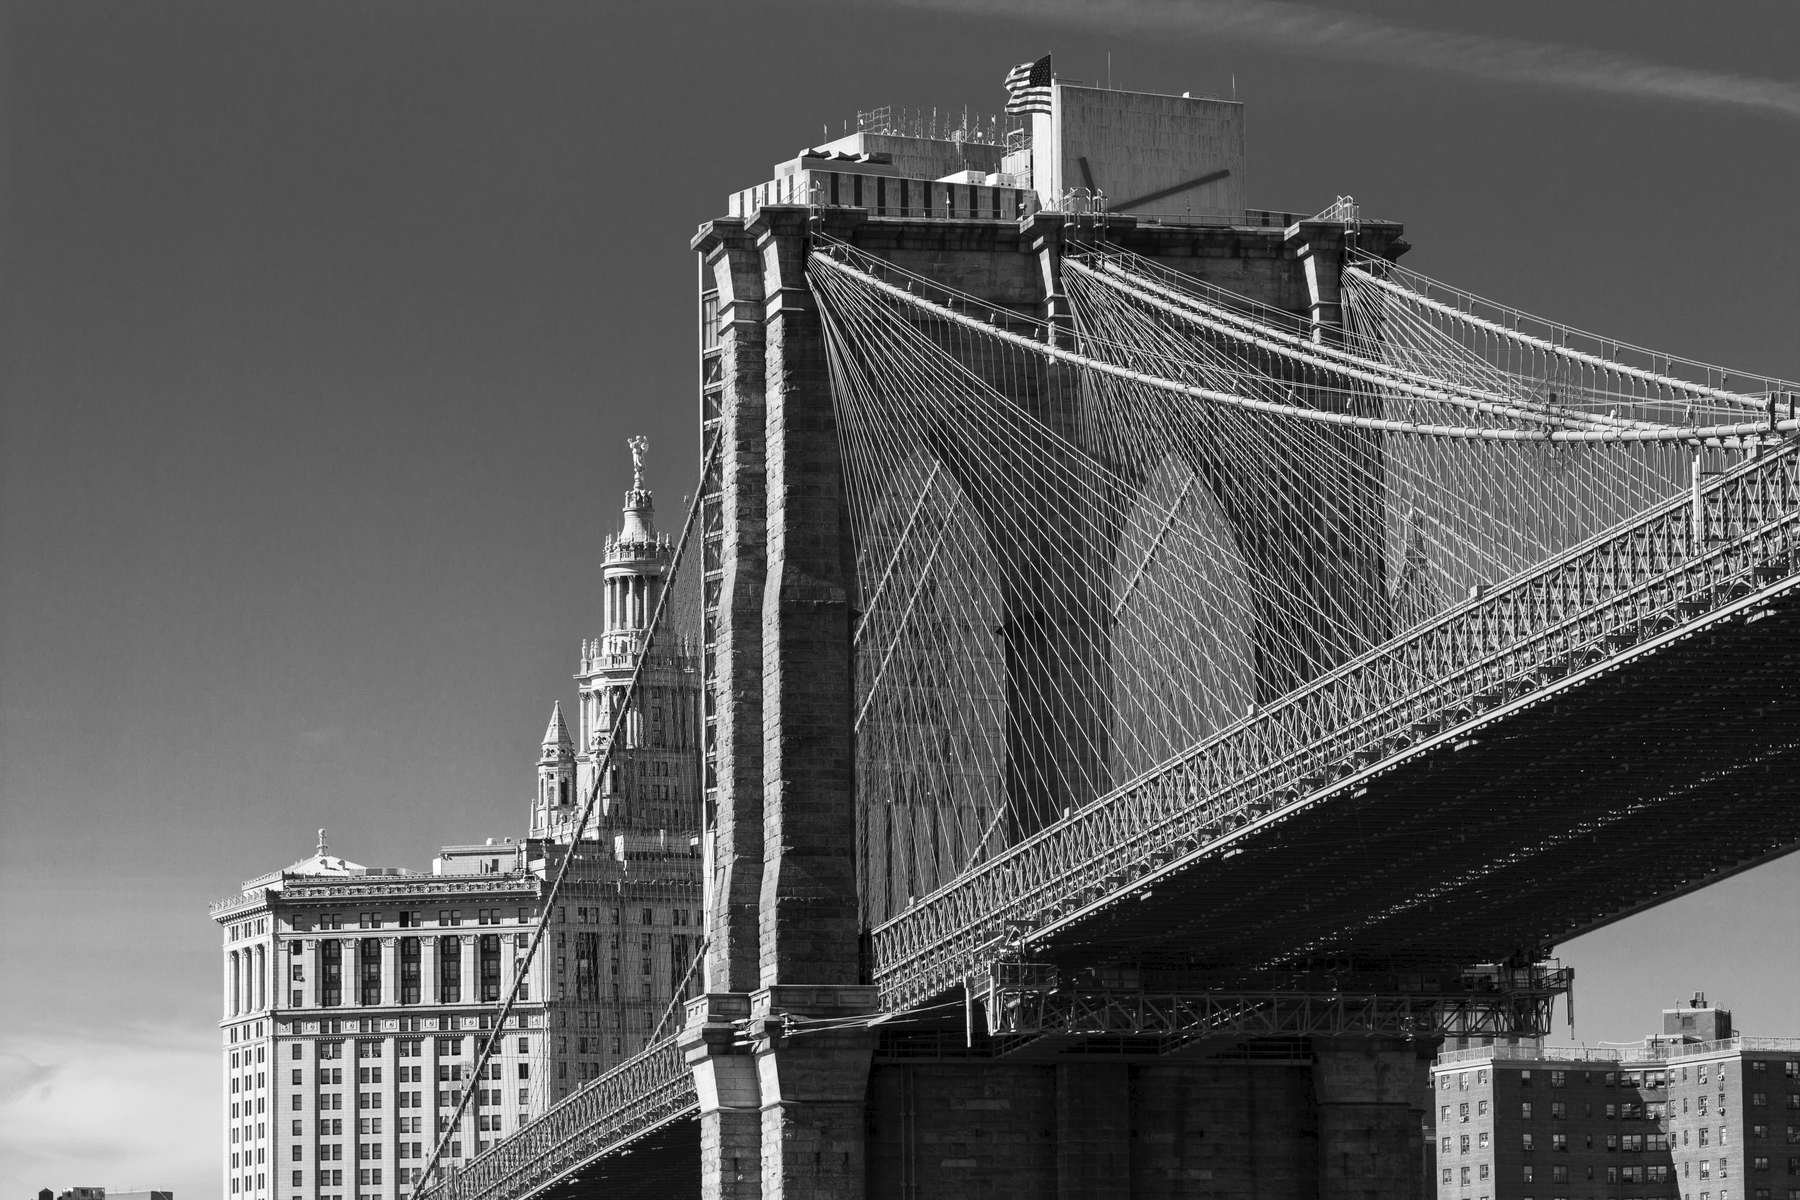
522	972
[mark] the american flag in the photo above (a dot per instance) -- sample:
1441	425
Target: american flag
1028	88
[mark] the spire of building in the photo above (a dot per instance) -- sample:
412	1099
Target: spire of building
643	788
556	734
639	528
556	776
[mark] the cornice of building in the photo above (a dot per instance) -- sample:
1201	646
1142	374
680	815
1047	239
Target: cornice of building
310	889
236	906
307	890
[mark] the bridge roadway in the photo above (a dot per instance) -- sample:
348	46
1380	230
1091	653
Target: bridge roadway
1615	728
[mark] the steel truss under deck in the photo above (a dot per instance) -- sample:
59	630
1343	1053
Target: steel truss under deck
1028	998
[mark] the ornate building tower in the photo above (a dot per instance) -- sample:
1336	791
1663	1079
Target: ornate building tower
556	799
648	783
627	918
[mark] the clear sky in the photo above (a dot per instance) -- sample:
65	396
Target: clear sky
326	321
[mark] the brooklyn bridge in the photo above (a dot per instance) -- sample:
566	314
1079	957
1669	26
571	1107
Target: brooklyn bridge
1164	672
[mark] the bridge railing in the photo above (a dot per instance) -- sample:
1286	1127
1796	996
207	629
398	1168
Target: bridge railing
636	1097
1680	560
1529	1053
1660	1052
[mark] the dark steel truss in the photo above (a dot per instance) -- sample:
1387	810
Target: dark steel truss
1032	999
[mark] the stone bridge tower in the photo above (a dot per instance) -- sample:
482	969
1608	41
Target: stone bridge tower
782	1047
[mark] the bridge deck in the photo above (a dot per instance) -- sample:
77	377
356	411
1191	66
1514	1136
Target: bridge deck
642	1097
1562	631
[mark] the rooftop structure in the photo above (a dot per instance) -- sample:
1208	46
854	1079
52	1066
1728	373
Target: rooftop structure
1172	158
1695	1111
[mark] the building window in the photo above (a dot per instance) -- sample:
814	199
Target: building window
449	972
409	970
369	957
489	948
1525	1110
331	973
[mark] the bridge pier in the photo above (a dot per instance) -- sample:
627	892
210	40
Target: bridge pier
781	1086
725	1081
1370	1098
783	1091
734	414
1329	1120
1093	1132
814	1083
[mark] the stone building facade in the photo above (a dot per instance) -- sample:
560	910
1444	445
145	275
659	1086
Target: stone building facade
357	1000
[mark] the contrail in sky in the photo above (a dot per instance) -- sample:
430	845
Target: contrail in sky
1322	33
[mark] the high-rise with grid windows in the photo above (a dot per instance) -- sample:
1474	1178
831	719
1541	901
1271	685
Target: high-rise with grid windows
357	1000
1696	1113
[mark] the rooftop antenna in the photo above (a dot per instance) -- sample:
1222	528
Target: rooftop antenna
1234	87
1109	70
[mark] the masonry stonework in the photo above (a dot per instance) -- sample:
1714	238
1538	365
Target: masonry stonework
795	1099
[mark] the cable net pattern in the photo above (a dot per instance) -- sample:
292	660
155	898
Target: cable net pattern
1083	549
